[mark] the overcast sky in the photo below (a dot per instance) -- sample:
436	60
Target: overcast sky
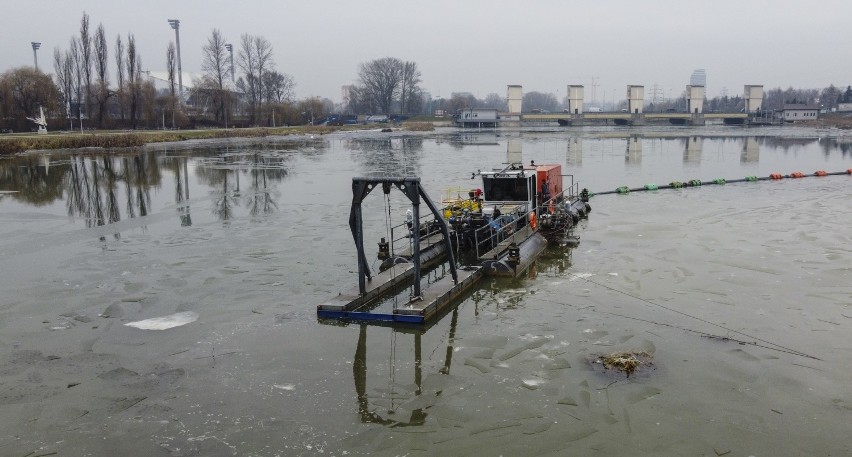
478	46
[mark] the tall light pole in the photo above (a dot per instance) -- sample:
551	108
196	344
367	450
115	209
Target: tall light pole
175	23
230	49
35	55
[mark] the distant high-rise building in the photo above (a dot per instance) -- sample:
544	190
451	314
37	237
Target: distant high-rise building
698	78
346	94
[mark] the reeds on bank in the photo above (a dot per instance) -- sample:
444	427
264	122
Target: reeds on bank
14	144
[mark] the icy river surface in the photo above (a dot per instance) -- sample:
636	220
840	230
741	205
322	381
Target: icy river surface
163	302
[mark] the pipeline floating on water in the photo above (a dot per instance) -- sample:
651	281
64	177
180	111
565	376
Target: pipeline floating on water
697	182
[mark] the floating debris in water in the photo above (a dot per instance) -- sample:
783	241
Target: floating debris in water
165	322
284	386
625	362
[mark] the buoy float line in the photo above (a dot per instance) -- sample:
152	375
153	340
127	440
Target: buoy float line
718	181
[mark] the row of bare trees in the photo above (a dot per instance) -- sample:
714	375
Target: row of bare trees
385	86
258	89
82	75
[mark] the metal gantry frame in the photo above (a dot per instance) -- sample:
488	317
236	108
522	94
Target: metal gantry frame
361	187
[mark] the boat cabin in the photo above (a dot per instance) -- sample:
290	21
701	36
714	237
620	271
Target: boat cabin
512	184
534	184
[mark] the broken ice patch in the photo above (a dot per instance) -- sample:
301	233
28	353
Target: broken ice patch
165	322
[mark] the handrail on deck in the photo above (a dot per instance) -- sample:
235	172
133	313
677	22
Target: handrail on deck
487	238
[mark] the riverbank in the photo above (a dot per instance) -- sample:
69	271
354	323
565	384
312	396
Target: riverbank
839	123
14	144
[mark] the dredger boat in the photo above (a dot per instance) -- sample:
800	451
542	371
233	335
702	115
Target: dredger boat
497	229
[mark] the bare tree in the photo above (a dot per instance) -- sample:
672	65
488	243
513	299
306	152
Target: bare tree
214	64
409	90
62	67
278	87
86	60
102	93
78	77
540	101
254	59
380	79
133	78
119	74
28	89
495	101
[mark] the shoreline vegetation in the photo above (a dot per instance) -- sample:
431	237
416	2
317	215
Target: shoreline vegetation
106	139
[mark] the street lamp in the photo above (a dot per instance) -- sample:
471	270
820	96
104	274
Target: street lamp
175	23
35	55
230	49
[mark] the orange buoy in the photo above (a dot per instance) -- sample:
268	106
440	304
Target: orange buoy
533	221
797	174
820	173
776	176
849	171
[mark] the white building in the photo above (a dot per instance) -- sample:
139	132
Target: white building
798	112
478	117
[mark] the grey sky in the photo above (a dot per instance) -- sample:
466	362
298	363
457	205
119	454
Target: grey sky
479	46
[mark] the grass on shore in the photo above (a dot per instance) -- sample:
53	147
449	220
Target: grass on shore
14	144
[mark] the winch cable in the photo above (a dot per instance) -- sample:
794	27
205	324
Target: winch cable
698	183
766	344
388	222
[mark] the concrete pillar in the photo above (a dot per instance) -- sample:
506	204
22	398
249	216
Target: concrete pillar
695	99
635	99
753	96
575	99
515	98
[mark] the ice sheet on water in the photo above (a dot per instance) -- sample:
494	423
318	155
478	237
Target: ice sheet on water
165	322
577	276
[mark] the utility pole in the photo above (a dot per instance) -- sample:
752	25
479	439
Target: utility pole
656	94
35	55
230	49
594	87
175	23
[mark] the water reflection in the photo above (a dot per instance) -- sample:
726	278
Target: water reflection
386	156
692	149
30	176
633	154
368	412
574	151
223	173
179	166
751	151
93	186
105	189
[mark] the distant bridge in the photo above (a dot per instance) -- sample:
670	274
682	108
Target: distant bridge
634	114
622	118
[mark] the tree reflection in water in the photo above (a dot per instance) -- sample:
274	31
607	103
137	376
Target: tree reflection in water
223	172
92	185
104	189
387	156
